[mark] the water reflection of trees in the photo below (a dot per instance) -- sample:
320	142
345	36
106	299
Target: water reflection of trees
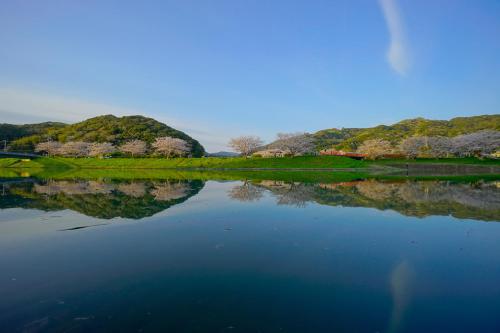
74	187
477	200
440	194
247	192
102	199
134	189
291	193
294	194
136	199
166	191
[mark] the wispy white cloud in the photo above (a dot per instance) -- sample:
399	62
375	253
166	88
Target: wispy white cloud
19	105
397	54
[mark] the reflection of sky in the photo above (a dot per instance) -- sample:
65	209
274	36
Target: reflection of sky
24	224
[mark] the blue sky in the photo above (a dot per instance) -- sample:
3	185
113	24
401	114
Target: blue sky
217	69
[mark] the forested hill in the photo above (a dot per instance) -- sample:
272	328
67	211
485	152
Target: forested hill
351	138
11	132
108	128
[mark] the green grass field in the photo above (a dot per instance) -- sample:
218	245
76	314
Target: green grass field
462	160
303	162
37	163
254	175
236	163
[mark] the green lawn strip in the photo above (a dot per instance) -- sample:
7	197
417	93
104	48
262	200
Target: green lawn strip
10	173
289	176
303	162
463	160
306	176
458	178
7	162
27	164
41	162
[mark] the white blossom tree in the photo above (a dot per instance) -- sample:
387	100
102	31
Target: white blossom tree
170	147
434	146
49	147
375	148
477	144
412	146
245	145
134	148
101	149
440	146
294	143
75	149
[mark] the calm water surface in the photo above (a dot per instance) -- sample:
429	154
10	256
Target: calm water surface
242	256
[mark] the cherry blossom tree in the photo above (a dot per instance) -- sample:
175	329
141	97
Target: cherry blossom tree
477	144
75	149
440	146
434	146
101	149
294	143
134	148
412	146
375	148
245	145
49	147
170	147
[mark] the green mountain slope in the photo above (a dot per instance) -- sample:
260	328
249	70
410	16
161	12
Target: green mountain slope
351	138
11	132
106	128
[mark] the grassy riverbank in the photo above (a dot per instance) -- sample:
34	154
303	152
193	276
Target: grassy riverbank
308	169
253	175
302	162
457	161
236	163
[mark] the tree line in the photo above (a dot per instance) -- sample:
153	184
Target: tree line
163	146
481	143
292	144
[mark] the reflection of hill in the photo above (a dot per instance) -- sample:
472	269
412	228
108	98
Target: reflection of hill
480	200
101	199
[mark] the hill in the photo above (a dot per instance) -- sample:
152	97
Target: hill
106	128
350	138
223	154
11	132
